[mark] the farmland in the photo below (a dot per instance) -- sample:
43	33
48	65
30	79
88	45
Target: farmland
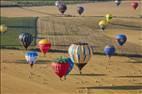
120	75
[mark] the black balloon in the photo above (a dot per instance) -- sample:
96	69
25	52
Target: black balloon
26	39
80	10
117	2
62	8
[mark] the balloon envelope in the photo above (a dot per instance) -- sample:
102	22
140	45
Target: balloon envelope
26	39
121	39
80	10
134	5
31	57
102	24
62	8
3	28
60	68
108	17
117	2
80	54
44	45
109	50
71	65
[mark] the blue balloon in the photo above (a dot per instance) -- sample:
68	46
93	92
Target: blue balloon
71	65
121	39
109	50
31	57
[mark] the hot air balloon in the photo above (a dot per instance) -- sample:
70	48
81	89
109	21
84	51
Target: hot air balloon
71	65
57	3
108	17
109	50
62	8
26	39
3	28
80	54
117	2
44	45
134	5
102	24
80	10
31	57
121	39
61	66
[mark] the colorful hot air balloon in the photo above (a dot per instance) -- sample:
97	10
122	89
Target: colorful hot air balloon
121	39
109	50
80	54
44	45
134	4
3	28
61	66
71	65
62	8
108	17
31	57
102	24
26	39
117	2
80	10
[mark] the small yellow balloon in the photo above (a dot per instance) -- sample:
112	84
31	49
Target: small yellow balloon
108	18
3	28
102	23
43	41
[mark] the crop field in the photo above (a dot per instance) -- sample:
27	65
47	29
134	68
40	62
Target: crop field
122	74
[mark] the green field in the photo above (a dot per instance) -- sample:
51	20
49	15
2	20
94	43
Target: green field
16	26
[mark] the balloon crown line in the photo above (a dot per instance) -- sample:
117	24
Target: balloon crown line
61	59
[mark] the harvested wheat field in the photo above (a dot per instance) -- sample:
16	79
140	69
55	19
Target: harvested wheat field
122	74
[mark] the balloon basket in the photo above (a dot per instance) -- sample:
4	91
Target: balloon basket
80	66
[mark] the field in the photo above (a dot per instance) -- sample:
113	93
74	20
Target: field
121	75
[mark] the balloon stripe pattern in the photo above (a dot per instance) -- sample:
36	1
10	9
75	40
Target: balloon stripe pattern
31	57
26	39
80	53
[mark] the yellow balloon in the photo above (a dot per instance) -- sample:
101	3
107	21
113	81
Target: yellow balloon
102	23
108	17
3	28
43	41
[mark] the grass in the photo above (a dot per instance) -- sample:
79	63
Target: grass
16	26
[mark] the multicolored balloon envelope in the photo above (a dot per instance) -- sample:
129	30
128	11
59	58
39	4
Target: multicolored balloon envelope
134	4
109	50
121	39
117	2
80	54
62	8
31	57
61	67
26	39
44	45
80	10
71	65
102	24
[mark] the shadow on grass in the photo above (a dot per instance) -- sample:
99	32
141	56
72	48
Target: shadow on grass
138	76
88	74
126	87
38	61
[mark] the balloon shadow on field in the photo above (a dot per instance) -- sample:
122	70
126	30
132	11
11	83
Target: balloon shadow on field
88	74
37	62
125	87
139	76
